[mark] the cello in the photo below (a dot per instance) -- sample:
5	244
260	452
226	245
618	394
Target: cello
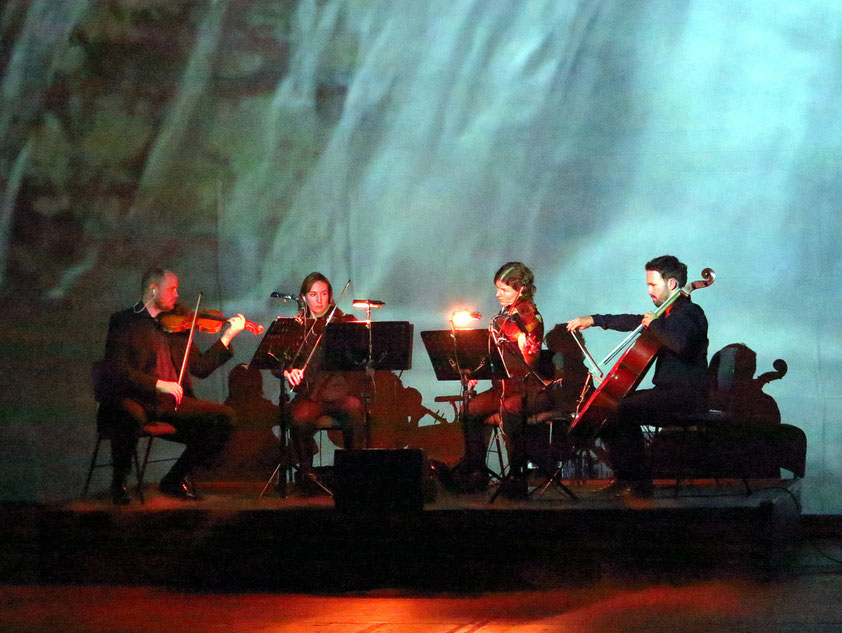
624	377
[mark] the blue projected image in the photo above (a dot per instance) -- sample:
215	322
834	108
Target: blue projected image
414	147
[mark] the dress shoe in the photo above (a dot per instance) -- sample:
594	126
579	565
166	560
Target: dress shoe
514	488
119	494
627	488
623	488
177	489
308	486
643	489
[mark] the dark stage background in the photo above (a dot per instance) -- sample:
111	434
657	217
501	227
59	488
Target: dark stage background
413	147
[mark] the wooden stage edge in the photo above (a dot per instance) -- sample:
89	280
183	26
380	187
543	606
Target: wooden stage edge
231	540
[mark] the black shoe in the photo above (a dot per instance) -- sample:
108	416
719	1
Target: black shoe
177	489
308	486
616	486
514	488
643	489
623	488
463	479
119	494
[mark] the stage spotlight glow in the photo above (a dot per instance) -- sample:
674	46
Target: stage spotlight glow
367	303
464	318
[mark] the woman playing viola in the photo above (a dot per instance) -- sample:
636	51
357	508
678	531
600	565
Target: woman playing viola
517	331
318	392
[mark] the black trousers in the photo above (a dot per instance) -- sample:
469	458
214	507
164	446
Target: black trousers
514	410
202	426
304	411
623	437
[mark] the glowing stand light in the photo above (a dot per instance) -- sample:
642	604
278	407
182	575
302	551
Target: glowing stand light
464	318
367	304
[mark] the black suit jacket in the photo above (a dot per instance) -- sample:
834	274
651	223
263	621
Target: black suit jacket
683	334
128	369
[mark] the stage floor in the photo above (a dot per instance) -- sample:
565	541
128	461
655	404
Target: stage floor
231	540
804	603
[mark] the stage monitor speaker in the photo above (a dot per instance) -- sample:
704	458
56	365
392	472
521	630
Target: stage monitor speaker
378	480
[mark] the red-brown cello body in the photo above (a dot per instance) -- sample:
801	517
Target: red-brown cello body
623	378
628	371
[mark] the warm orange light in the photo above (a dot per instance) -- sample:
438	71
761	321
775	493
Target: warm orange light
367	303
464	318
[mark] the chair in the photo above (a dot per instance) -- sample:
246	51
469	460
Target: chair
739	436
322	424
496	445
149	432
547	446
564	362
560	450
101	382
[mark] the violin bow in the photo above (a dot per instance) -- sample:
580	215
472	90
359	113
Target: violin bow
327	322
189	343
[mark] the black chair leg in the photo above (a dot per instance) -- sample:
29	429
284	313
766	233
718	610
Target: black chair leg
91	466
555	480
140	469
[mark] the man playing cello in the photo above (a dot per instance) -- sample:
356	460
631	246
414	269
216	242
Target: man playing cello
680	379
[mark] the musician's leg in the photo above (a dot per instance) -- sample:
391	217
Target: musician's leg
203	427
303	413
623	438
350	413
477	431
122	422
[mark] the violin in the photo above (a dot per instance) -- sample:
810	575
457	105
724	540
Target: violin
181	320
517	331
515	319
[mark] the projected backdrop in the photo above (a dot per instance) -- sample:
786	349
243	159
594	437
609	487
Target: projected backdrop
413	147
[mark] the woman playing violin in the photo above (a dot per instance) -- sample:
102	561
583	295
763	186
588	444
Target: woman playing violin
318	392
517	332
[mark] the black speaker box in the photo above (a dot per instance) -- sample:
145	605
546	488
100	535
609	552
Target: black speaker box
378	479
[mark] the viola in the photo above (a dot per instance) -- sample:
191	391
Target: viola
629	370
181	320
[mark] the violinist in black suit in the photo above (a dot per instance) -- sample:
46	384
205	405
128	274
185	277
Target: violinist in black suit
138	382
680	378
317	391
518	331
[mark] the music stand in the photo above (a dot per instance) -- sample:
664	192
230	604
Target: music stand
279	345
367	346
357	345
464	355
277	351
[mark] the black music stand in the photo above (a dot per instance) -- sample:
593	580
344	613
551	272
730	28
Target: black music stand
278	351
464	355
279	345
356	345
367	346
